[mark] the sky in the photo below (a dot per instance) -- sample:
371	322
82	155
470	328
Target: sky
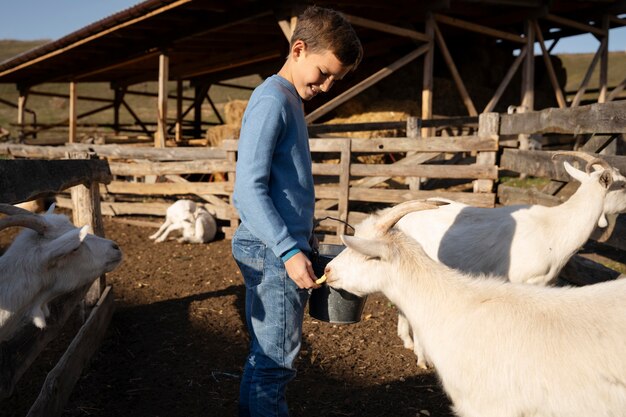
53	19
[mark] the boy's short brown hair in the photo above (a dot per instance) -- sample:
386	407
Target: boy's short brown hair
328	30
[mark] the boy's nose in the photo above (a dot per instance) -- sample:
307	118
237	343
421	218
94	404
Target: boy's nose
326	85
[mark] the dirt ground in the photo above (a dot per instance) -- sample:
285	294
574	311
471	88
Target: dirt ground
177	343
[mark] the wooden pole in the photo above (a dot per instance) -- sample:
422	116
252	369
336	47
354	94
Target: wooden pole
73	113
161	132
488	125
604	61
21	106
467	100
86	211
528	80
179	111
558	92
505	82
427	80
344	185
413	132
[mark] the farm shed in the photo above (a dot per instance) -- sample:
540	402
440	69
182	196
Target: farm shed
460	57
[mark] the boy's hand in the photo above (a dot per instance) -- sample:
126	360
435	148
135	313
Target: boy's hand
300	270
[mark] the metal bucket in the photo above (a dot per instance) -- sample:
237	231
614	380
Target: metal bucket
330	304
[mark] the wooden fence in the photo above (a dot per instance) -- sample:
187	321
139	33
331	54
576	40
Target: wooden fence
353	175
22	180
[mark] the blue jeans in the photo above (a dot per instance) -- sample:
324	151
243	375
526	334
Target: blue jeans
274	314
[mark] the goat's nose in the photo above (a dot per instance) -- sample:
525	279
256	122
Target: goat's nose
115	246
327	271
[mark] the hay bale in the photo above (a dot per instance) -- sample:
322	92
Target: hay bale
233	111
215	135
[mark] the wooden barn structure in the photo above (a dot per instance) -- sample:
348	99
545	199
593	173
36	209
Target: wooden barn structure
479	46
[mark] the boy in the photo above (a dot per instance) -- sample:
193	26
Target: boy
275	198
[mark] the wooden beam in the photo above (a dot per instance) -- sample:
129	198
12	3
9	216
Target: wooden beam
573	24
505	81
558	92
178	129
160	135
528	70
593	118
46	176
384	27
72	116
467	100
617	90
583	85
101	34
479	29
59	383
368	82
541	164
427	78
604	62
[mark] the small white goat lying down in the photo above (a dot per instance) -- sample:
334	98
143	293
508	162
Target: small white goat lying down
195	222
522	243
501	349
50	257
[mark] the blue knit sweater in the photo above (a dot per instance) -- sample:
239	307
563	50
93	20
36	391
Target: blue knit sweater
274	191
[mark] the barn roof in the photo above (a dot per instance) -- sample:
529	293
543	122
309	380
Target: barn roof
217	40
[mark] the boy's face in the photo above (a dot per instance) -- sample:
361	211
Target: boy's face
313	73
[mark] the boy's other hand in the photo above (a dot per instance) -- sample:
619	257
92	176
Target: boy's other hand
300	270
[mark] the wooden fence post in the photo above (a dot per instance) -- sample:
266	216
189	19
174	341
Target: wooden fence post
488	125
413	126
86	211
231	156
344	185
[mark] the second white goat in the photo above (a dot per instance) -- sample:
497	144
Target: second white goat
500	349
521	243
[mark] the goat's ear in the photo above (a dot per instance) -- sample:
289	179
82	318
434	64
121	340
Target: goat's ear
62	246
371	248
51	208
606	179
574	173
84	231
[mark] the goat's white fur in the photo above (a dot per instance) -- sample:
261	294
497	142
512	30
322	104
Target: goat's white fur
194	221
501	349
522	243
37	268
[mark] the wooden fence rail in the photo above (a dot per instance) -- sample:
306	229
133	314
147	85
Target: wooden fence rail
346	180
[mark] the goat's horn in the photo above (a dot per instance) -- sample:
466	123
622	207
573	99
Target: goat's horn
13	210
25	220
591	160
394	214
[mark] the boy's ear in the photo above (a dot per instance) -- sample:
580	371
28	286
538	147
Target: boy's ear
298	48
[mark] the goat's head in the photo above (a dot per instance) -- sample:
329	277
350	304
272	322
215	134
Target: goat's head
363	267
615	198
58	256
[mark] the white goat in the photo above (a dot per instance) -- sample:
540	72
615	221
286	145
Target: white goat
615	199
196	224
49	258
521	243
500	349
